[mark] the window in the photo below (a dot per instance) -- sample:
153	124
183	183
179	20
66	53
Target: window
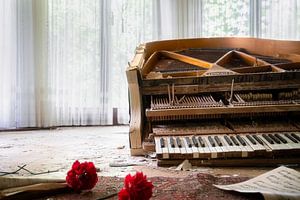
226	18
63	62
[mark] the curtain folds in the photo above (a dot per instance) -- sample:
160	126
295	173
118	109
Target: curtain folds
63	62
8	63
132	24
178	18
280	19
56	64
17	100
79	69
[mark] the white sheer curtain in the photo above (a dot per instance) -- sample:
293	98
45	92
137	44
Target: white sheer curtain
55	63
17	90
280	19
132	24
79	69
177	18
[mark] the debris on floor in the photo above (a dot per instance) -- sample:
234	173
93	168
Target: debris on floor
151	155
127	164
184	166
121	147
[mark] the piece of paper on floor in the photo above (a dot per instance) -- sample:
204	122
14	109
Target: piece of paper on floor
280	183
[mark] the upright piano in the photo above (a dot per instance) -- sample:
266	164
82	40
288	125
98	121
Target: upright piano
216	101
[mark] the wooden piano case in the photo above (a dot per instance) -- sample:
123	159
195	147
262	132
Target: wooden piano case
215	88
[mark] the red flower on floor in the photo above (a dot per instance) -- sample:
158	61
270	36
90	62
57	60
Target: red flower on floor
136	188
82	176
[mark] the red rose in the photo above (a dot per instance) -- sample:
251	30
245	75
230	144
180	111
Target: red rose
82	176
136	188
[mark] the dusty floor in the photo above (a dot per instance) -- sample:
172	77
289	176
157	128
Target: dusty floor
57	149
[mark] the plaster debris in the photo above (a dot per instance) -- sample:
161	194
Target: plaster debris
184	166
124	164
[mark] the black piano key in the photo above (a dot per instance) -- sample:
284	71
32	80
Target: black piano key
234	140
217	139
188	141
281	138
295	136
228	140
178	141
258	139
201	141
241	140
172	142
251	139
274	138
211	141
290	137
268	138
162	143
195	141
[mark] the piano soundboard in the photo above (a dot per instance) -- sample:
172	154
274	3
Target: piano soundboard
216	101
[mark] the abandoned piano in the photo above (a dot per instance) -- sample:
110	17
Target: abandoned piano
216	101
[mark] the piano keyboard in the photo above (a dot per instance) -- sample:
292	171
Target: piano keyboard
227	146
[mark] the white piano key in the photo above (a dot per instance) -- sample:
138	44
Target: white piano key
255	147
176	149
235	149
188	149
290	143
165	150
182	148
207	148
213	151
298	134
279	146
282	146
194	149
203	150
238	149
218	149
288	135
229	150
273	147
225	145
170	148
157	146
242	148
248	149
